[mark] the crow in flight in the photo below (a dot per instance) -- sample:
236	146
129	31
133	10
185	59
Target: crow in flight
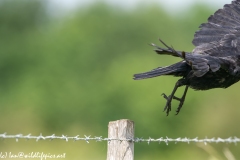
215	61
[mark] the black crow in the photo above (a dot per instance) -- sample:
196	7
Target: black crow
215	61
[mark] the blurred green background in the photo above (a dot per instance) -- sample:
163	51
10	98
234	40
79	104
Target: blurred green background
72	74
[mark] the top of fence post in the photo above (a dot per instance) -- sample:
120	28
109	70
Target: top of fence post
117	149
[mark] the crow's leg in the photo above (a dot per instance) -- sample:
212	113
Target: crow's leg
181	100
169	98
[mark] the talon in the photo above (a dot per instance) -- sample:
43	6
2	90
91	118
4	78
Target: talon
181	100
164	96
180	106
168	104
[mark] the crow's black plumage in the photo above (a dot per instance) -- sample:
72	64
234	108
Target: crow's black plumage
215	61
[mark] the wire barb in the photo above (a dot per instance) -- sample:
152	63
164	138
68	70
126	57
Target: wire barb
87	139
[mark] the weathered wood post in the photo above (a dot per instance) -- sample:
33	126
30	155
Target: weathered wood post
120	150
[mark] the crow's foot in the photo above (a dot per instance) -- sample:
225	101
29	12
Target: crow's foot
167	107
169	99
181	100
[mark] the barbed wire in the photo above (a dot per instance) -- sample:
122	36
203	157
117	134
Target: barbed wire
149	140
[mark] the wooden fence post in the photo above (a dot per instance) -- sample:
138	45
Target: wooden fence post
120	150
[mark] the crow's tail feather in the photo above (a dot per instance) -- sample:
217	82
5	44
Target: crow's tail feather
177	69
168	51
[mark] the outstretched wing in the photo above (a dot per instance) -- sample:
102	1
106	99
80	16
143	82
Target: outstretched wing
220	36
